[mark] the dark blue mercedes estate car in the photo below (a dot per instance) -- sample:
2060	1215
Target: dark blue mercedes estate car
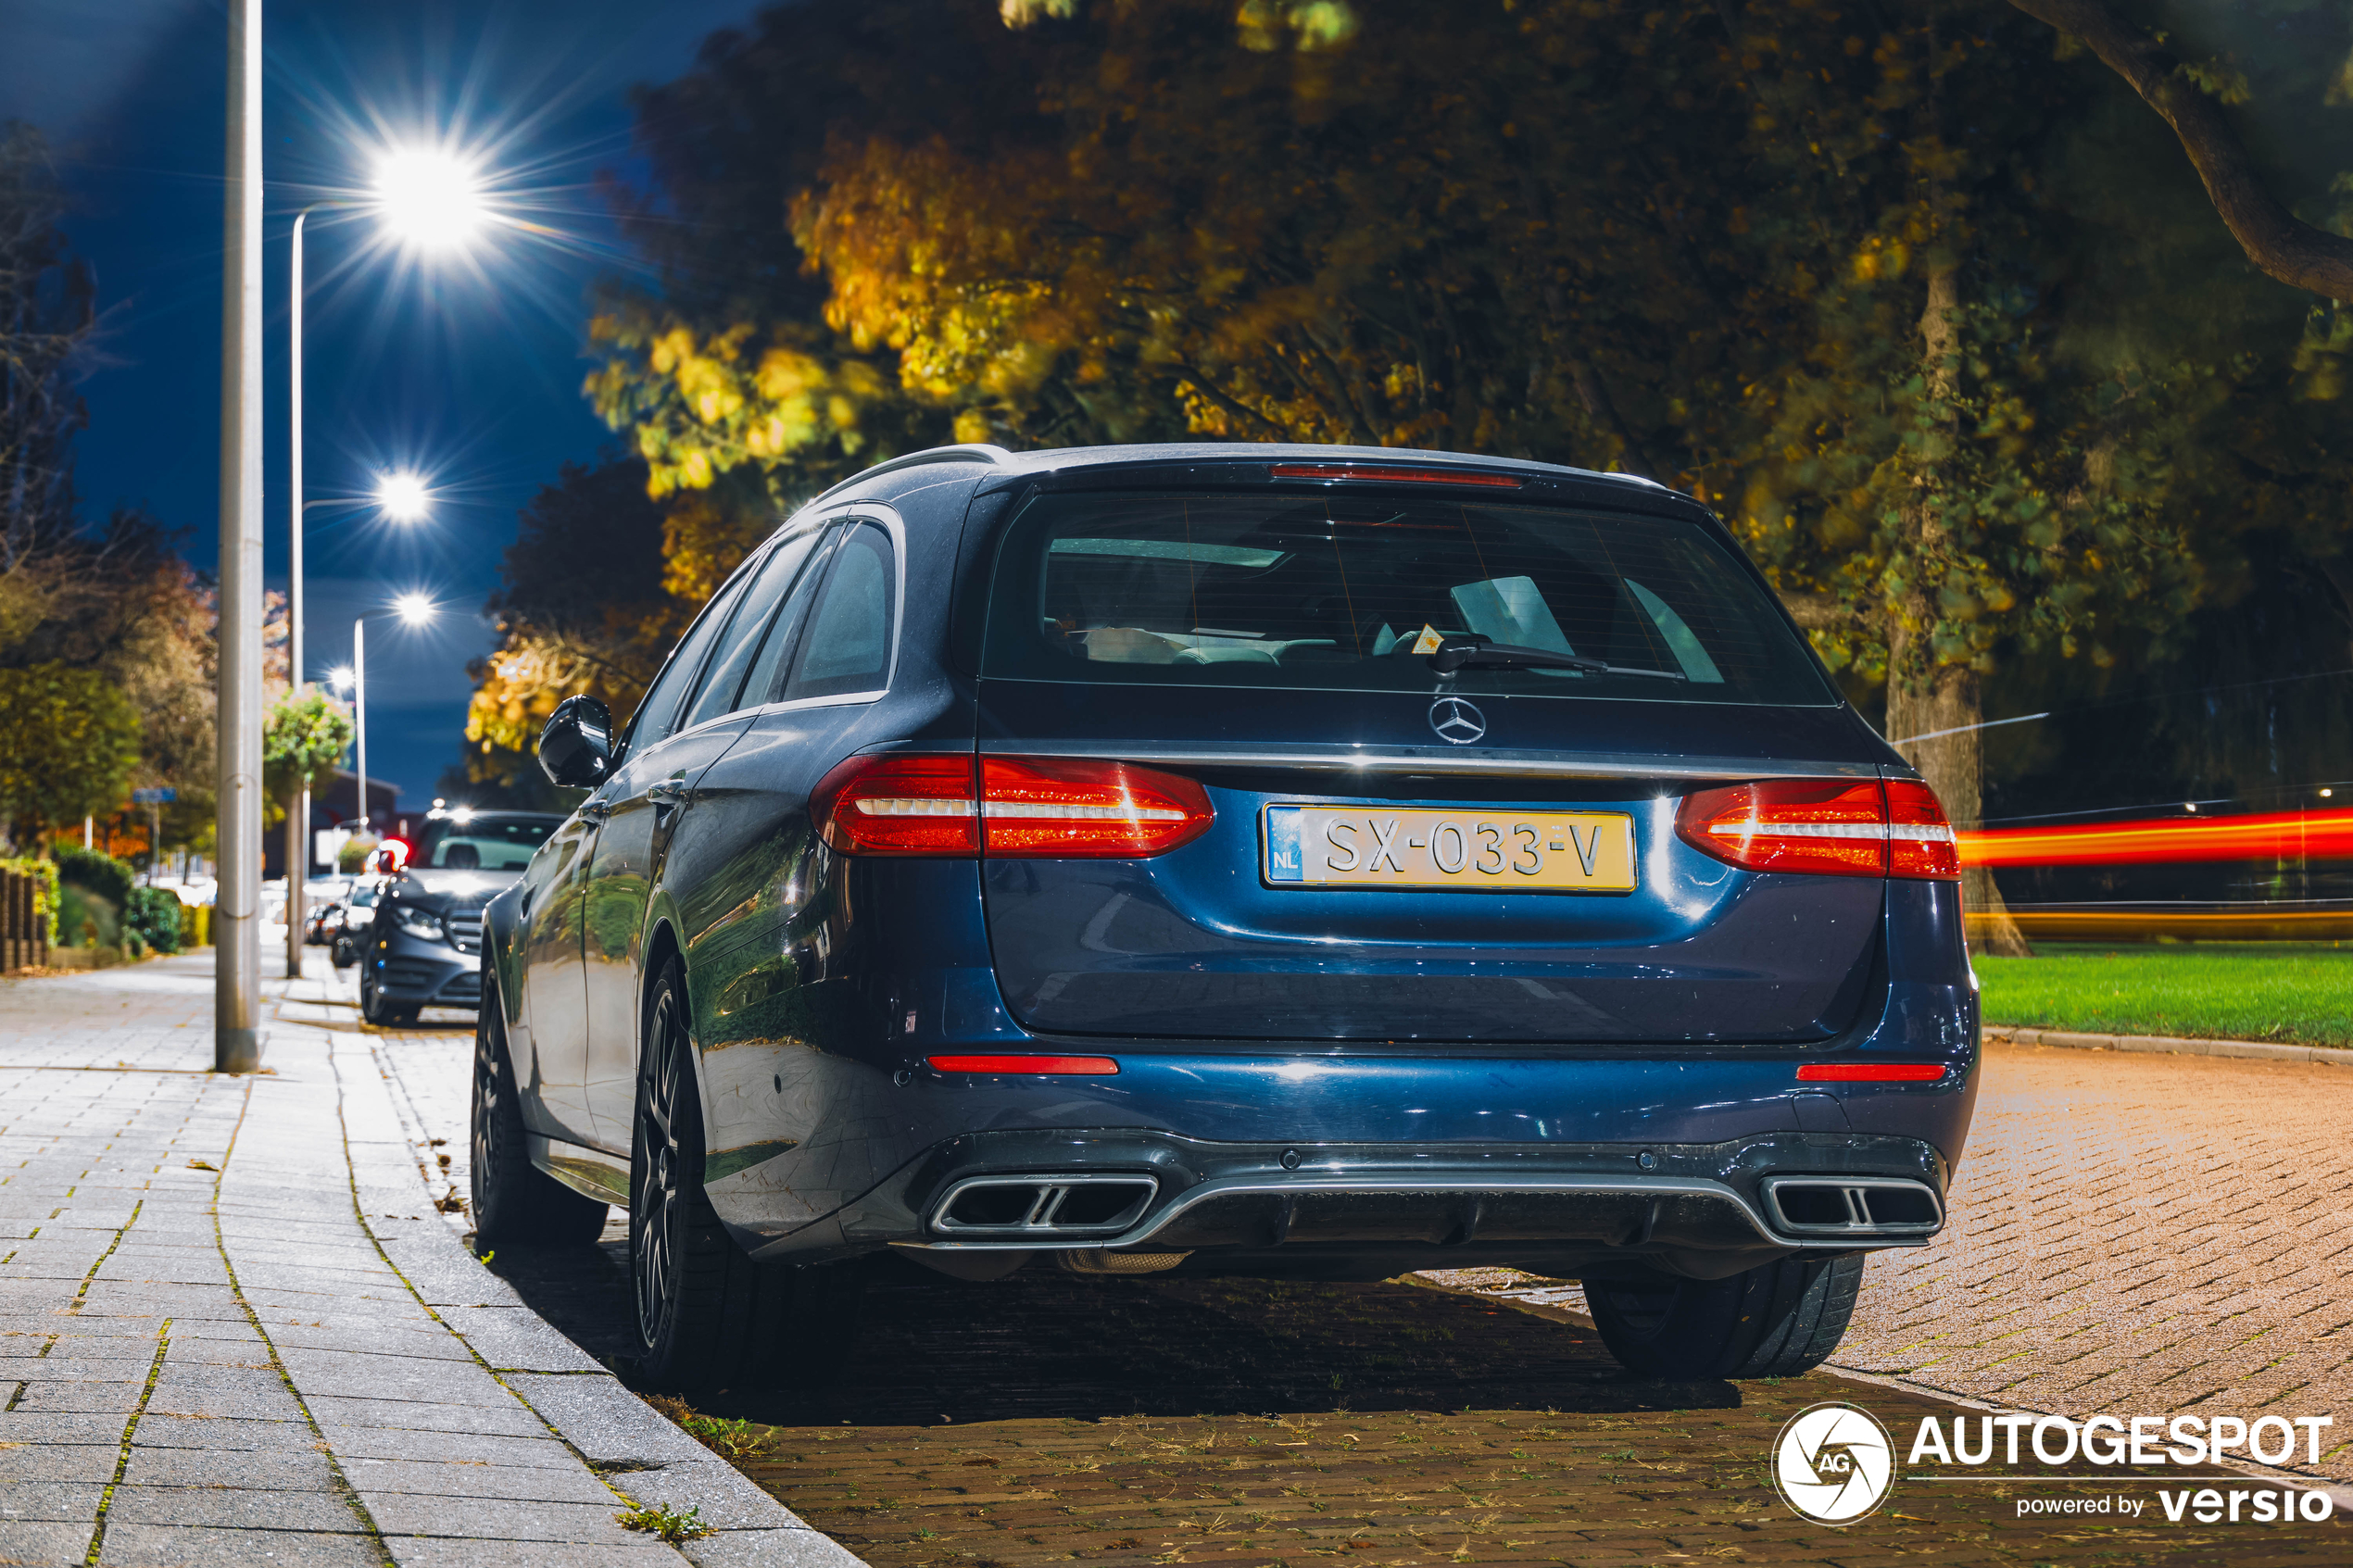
1298	862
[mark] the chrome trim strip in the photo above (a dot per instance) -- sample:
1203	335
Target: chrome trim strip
1452	761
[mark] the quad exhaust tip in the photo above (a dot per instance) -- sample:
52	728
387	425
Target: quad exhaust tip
1851	1206
1041	1207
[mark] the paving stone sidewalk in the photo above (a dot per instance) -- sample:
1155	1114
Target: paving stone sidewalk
234	1331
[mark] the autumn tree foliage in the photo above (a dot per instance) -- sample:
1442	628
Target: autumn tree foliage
1923	300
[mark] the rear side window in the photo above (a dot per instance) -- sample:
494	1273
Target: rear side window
846	647
1353	592
766	681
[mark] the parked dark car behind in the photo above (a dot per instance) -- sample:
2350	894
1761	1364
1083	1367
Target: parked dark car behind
1301	862
422	942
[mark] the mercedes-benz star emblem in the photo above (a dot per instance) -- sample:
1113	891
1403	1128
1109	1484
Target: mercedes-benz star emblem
1456	719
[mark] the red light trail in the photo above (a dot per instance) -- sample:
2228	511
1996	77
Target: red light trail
2299	835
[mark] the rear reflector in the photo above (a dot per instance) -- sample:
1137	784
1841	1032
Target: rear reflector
1869	1072
1025	808
1393	476
1832	827
1093	1066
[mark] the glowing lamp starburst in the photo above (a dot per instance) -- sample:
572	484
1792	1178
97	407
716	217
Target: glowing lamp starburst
429	197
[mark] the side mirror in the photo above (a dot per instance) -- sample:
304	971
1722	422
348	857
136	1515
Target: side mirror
575	749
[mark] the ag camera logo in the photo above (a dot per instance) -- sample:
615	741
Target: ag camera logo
1832	1464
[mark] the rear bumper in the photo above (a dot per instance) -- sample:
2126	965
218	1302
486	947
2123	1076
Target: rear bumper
1165	1201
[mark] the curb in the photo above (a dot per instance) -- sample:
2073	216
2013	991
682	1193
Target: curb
2169	1045
642	1456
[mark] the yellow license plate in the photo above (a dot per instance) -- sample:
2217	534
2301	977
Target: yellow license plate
1483	851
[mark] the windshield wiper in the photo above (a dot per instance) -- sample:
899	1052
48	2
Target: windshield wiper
1472	650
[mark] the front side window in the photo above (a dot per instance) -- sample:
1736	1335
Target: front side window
658	716
1356	592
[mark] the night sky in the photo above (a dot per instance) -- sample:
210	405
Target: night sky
467	369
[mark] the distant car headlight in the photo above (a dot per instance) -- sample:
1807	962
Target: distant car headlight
423	925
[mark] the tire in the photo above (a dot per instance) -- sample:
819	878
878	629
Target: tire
515	1203
706	1316
1777	1320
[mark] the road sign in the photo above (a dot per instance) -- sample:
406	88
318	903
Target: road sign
154	797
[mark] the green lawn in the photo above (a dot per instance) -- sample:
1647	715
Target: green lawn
2290	991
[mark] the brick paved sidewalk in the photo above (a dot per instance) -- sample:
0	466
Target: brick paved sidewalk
234	1331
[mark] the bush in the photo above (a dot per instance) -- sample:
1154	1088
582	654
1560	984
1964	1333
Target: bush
86	919
102	874
153	913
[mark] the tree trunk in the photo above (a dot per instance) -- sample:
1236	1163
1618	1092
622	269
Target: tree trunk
1948	699
1923	696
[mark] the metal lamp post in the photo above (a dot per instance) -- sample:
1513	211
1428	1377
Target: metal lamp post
412	609
430	200
404	498
236	1038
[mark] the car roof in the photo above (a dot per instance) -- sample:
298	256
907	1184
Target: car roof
997	461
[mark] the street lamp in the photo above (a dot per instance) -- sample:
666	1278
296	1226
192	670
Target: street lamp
431	199
410	609
403	496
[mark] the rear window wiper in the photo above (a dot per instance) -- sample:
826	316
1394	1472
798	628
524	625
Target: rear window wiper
1474	651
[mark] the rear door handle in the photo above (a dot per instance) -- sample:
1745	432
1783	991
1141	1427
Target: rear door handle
669	792
595	810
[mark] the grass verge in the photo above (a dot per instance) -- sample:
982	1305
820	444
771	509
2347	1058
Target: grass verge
2295	993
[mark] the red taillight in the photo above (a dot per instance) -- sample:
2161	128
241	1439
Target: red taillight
1832	827
1058	807
1043	806
898	805
1094	1066
1919	840
1869	1072
1393	476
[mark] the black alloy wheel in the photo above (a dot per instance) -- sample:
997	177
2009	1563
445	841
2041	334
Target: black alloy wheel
1777	1320
707	1314
515	1203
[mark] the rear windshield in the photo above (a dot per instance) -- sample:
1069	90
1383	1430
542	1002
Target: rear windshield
1354	593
